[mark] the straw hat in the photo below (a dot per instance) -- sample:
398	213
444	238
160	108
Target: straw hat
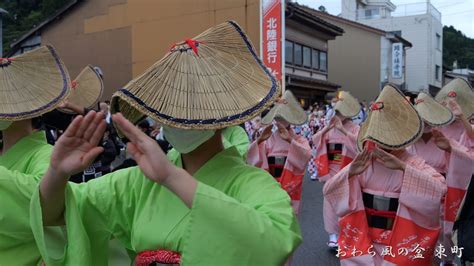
287	108
431	111
87	89
212	81
460	90
32	84
393	122
347	105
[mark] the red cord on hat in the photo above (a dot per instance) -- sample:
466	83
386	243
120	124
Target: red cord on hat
73	84
452	94
377	106
191	43
419	101
8	61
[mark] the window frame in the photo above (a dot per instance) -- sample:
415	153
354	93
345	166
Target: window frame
312	52
292	52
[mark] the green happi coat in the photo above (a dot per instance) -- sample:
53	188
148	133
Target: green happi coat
236	136
21	168
240	216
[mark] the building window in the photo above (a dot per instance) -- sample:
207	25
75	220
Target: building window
298	60
323	61
438	41
438	72
306	57
371	13
315	60
289	52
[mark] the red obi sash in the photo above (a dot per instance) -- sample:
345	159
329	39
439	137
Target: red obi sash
147	258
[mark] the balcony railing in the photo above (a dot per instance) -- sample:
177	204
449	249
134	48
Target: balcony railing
401	11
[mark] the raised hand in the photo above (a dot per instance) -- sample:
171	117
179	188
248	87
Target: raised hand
360	163
454	107
77	148
339	126
266	134
441	141
389	160
145	151
285	134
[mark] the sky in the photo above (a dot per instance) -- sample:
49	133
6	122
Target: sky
458	13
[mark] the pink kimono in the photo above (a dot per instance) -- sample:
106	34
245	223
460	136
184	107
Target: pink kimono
331	162
387	216
286	162
457	167
455	130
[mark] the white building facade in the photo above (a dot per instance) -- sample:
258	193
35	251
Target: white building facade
418	23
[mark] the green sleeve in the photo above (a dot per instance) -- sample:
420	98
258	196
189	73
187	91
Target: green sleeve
17	245
255	225
95	212
236	136
39	162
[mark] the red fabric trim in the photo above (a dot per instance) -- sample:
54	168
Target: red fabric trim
145	258
453	200
356	235
292	184
386	214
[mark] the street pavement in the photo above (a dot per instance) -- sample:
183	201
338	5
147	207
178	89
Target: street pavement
313	250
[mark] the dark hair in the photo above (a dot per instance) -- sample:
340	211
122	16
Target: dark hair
37	122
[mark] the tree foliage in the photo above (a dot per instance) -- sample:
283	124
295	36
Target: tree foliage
457	47
23	15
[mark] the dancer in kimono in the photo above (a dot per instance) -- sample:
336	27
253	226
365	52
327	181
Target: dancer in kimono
446	156
459	97
282	153
388	200
32	84
203	205
334	147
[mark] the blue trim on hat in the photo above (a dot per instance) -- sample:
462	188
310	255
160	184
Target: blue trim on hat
55	100
248	112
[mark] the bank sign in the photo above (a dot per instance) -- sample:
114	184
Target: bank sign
272	32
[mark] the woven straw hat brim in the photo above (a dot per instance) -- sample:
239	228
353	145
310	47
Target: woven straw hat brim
88	89
289	109
432	112
395	125
463	94
32	84
347	105
220	83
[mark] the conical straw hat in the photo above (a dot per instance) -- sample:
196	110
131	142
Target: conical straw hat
431	111
393	122
86	89
347	105
32	84
212	81
287	108
460	90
